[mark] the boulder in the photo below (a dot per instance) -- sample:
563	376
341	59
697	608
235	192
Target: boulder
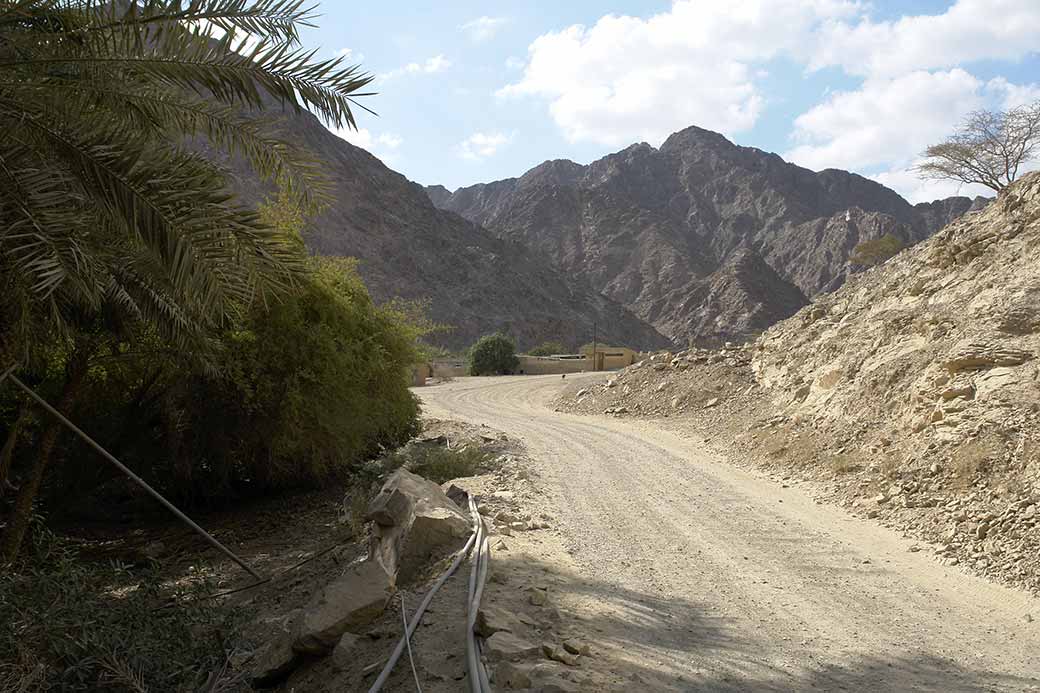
416	523
506	647
350	602
493	619
275	663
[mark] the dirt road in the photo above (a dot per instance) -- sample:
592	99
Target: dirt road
702	577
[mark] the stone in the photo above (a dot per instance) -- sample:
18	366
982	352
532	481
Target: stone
493	619
275	663
512	676
504	646
537	597
559	654
431	526
714	401
350	602
459	496
578	647
389	508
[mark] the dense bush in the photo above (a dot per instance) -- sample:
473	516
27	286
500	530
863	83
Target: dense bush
548	349
76	626
870	253
296	394
493	354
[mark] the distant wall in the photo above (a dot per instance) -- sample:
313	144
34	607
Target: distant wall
610	358
548	365
420	372
448	369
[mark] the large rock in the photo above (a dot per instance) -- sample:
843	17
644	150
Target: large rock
350	602
506	647
416	522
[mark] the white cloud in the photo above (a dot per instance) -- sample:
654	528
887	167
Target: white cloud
906	182
382	145
886	120
969	30
627	78
483	28
481	145
349	54
437	63
1013	95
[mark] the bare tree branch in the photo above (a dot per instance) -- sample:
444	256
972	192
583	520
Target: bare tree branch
989	148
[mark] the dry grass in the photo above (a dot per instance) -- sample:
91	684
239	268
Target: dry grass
844	464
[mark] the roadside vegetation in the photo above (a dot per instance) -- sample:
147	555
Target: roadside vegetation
493	354
188	334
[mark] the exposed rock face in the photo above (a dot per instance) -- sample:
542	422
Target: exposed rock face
408	248
940	341
652	227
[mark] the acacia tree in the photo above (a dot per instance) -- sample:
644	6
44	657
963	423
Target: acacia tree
990	148
108	216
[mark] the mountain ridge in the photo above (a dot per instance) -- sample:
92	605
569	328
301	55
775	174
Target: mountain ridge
649	227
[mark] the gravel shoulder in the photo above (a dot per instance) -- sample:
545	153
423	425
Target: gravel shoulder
689	573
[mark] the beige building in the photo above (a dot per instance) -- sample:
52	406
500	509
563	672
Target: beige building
546	365
610	358
453	368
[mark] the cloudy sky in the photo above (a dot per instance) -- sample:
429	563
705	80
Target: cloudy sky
476	91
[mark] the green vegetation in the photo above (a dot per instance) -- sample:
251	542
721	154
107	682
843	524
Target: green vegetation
76	626
188	334
439	463
493	354
870	253
548	349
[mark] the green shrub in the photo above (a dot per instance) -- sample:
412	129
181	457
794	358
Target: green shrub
438	463
73	626
870	253
493	354
548	349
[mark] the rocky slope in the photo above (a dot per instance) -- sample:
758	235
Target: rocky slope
910	395
652	227
474	281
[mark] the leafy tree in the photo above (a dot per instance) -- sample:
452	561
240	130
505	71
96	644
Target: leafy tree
110	218
493	354
870	253
990	148
548	349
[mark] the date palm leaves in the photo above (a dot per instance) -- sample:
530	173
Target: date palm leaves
105	198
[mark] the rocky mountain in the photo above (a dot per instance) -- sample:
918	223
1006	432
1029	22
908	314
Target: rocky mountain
656	229
474	281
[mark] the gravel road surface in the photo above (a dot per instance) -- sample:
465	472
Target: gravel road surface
700	576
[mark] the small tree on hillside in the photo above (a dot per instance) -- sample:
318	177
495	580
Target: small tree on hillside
493	354
990	148
548	349
870	253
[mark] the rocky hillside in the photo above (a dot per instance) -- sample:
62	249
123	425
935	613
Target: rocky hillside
911	394
473	280
652	228
940	342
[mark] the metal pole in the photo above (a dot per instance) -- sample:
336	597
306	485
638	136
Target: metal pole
8	372
595	361
126	470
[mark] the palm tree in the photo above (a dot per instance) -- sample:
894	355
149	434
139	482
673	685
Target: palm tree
109	215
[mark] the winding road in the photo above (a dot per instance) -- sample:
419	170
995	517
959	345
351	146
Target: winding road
713	579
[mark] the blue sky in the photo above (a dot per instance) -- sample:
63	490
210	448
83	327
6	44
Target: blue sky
477	91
